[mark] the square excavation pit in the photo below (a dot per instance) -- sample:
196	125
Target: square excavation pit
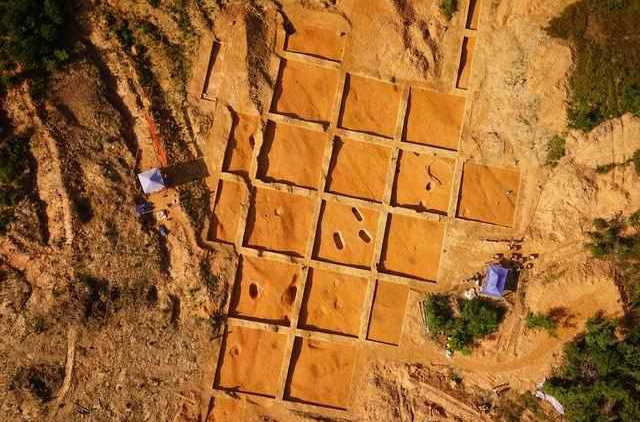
370	106
333	303
346	234
305	91
237	158
412	247
488	194
434	119
251	361
279	222
292	155
423	182
265	291
320	373
466	60
318	42
229	199
387	313
358	169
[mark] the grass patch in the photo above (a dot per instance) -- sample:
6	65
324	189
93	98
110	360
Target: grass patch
449	7
605	81
598	379
539	321
555	150
477	318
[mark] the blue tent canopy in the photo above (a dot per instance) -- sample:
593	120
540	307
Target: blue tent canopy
495	281
151	180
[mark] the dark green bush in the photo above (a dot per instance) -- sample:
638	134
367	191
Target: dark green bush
478	318
34	33
538	321
449	7
636	161
599	377
15	176
605	81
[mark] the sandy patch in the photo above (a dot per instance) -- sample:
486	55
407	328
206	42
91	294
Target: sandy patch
292	154
318	42
488	194
387	314
279	222
423	182
320	373
251	361
333	302
358	169
412	247
370	106
305	91
237	158
346	234
466	59
226	410
265	291
434	119
474	14
229	199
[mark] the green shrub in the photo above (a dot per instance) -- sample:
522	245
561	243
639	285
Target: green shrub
449	7
555	150
478	318
538	321
605	79
605	168
636	161
599	377
33	33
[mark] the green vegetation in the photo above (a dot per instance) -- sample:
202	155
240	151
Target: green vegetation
513	407
605	168
15	177
555	150
635	160
33	34
605	81
599	377
449	7
618	240
539	321
477	318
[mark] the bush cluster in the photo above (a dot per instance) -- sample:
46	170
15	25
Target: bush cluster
600	376
555	150
478	318
538	321
15	176
449	7
605	81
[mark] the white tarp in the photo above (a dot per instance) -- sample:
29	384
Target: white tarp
151	180
552	400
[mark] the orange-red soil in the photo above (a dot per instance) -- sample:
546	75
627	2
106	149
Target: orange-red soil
265	290
305	91
387	314
279	222
488	194
240	146
343	238
251	361
434	119
412	247
229	199
319	42
423	182
358	169
466	60
370	106
321	373
292	155
226	410
333	302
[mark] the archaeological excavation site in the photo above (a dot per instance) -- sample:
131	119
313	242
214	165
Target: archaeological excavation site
320	210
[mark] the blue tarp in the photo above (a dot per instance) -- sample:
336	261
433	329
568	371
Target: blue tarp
151	180
494	281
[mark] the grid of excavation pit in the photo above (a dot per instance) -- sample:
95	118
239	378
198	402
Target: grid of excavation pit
350	184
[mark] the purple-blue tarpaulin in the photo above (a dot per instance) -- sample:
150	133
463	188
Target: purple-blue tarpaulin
494	281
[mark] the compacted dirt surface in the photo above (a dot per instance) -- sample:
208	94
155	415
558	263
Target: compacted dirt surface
329	163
